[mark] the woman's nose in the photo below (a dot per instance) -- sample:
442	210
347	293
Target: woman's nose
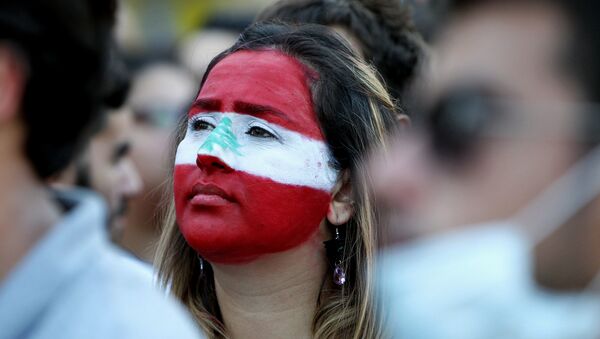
211	163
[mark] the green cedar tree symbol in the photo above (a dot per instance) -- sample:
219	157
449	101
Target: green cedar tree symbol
222	136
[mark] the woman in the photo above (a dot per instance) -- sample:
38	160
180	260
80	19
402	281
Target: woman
267	169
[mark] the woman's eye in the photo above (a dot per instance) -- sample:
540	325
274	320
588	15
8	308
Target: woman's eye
201	125
258	132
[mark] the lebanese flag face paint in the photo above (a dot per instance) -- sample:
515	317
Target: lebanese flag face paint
253	174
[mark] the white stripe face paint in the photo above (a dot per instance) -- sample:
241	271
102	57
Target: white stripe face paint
258	147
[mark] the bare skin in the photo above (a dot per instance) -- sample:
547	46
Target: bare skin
262	300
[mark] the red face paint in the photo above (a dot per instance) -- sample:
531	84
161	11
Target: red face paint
260	216
265	78
231	216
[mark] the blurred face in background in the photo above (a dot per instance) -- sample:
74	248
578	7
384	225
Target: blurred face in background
110	169
501	122
519	54
503	126
511	52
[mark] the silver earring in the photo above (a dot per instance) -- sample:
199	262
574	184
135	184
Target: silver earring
335	253
201	265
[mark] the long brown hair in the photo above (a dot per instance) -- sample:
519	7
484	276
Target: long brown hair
355	114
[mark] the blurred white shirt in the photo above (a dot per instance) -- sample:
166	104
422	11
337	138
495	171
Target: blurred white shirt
477	283
76	284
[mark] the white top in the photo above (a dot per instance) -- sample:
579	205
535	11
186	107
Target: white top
76	284
477	283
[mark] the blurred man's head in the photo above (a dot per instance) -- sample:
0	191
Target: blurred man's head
106	166
510	51
111	170
52	61
504	111
58	49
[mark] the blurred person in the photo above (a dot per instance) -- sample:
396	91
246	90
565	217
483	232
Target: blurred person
110	168
271	232
505	190
160	94
381	31
105	166
59	275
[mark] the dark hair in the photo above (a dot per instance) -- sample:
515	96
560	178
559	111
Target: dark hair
118	81
63	44
585	48
584	56
383	27
355	113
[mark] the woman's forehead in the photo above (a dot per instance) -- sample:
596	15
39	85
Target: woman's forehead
264	78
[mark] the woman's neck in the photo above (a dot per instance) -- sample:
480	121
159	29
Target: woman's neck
274	296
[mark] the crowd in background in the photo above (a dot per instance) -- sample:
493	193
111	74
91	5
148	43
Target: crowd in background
461	168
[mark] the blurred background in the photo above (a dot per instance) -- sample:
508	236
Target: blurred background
491	198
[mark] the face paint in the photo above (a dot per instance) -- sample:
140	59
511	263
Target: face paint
222	137
253	174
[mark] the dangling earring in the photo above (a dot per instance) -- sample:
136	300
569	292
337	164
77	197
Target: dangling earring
335	253
339	275
201	265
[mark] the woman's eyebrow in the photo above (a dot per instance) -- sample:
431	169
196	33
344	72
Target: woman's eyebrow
258	110
207	104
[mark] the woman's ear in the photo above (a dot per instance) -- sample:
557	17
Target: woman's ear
341	207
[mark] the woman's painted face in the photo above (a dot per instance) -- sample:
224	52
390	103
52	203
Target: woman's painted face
253	174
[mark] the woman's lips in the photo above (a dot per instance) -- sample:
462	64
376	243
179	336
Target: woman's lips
209	195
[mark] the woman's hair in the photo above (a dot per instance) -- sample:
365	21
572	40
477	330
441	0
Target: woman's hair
355	114
384	28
